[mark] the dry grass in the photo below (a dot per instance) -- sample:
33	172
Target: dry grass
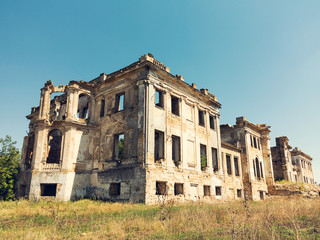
279	218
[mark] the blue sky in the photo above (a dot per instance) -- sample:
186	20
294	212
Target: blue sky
260	58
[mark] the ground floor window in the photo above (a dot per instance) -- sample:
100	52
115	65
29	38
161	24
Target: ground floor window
48	190
206	190
178	188
218	191
261	195
161	188
239	193
115	189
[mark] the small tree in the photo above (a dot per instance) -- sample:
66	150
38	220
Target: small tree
9	165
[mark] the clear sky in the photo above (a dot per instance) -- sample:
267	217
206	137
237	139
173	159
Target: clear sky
260	58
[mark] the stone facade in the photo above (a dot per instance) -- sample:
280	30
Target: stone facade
291	165
256	163
140	134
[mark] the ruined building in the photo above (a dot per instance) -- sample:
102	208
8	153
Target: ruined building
137	134
291	165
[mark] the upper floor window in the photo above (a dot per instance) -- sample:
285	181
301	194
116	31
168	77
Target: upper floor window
215	164
201	118
203	157
228	160
102	102
211	120
83	106
119	102
159	98
158	145
118	147
176	150
236	166
54	146
175	105
251	141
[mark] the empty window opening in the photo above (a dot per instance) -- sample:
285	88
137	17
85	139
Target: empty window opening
215	164
228	159
119	102
206	191
254	168
48	190
29	153
201	118
115	189
54	146
161	188
251	141
258	143
175	105
178	188
118	147
239	193
203	157
159	98
218	191
255	142
102	107
23	188
83	106
236	166
261	195
261	169
176	150
258	168
158	145
211	120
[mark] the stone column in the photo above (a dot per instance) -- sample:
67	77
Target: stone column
72	103
265	144
44	103
142	121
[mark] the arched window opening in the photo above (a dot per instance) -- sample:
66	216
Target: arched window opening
54	146
258	168
29	153
83	106
58	106
261	169
254	168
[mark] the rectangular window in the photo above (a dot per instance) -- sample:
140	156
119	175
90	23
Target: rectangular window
48	190
178	188
118	147
175	105
114	189
159	98
239	193
215	164
201	118
161	188
211	119
228	159
236	166
176	150
258	143
218	191
203	157
255	142
206	190
119	102
261	195
261	169
102	107
251	141
158	145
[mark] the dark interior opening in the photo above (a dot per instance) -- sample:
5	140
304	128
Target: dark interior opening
48	189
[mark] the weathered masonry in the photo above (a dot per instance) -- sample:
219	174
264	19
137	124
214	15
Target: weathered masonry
291	165
138	134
